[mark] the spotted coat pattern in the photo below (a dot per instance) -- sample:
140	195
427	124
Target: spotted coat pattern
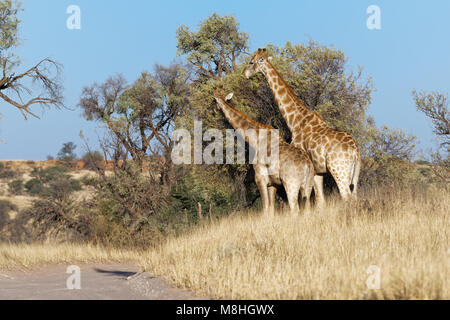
293	170
330	150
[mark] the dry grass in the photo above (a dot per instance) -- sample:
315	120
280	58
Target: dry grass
324	255
31	255
22	201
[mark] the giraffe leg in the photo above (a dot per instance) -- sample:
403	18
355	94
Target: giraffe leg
343	182
344	190
292	191
262	187
272	191
308	186
306	194
318	190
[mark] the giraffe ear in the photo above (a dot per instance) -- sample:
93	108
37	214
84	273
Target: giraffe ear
270	59
229	96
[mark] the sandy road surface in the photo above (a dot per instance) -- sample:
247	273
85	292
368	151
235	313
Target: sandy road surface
98	282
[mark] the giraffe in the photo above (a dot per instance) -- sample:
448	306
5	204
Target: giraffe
330	150
293	170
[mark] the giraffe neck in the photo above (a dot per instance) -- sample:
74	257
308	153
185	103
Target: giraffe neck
294	112
238	120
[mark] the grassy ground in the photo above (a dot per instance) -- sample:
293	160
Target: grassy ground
31	255
325	255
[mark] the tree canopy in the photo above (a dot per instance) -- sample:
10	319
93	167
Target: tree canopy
435	106
140	117
215	48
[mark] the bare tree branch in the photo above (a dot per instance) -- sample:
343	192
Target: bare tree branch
39	74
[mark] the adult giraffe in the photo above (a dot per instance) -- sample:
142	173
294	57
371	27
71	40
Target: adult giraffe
330	150
293	168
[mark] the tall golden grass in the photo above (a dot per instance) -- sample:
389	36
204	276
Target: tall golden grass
324	255
32	255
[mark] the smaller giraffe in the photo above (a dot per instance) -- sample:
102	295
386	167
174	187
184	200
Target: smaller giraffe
293	170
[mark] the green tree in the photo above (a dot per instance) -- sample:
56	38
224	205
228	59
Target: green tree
435	106
392	142
215	53
215	48
319	75
387	160
9	24
15	87
141	117
93	160
67	152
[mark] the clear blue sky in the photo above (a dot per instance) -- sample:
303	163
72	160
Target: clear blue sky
411	51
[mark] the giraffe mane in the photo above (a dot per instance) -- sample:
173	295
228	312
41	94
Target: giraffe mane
291	93
244	116
256	123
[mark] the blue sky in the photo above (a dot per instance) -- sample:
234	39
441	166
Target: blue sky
411	51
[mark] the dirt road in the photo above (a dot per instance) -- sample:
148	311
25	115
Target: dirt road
97	282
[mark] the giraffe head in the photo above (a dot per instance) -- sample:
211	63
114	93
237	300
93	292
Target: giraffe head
219	95
257	63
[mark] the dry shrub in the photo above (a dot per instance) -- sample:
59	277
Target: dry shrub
5	208
389	171
7	173
54	214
